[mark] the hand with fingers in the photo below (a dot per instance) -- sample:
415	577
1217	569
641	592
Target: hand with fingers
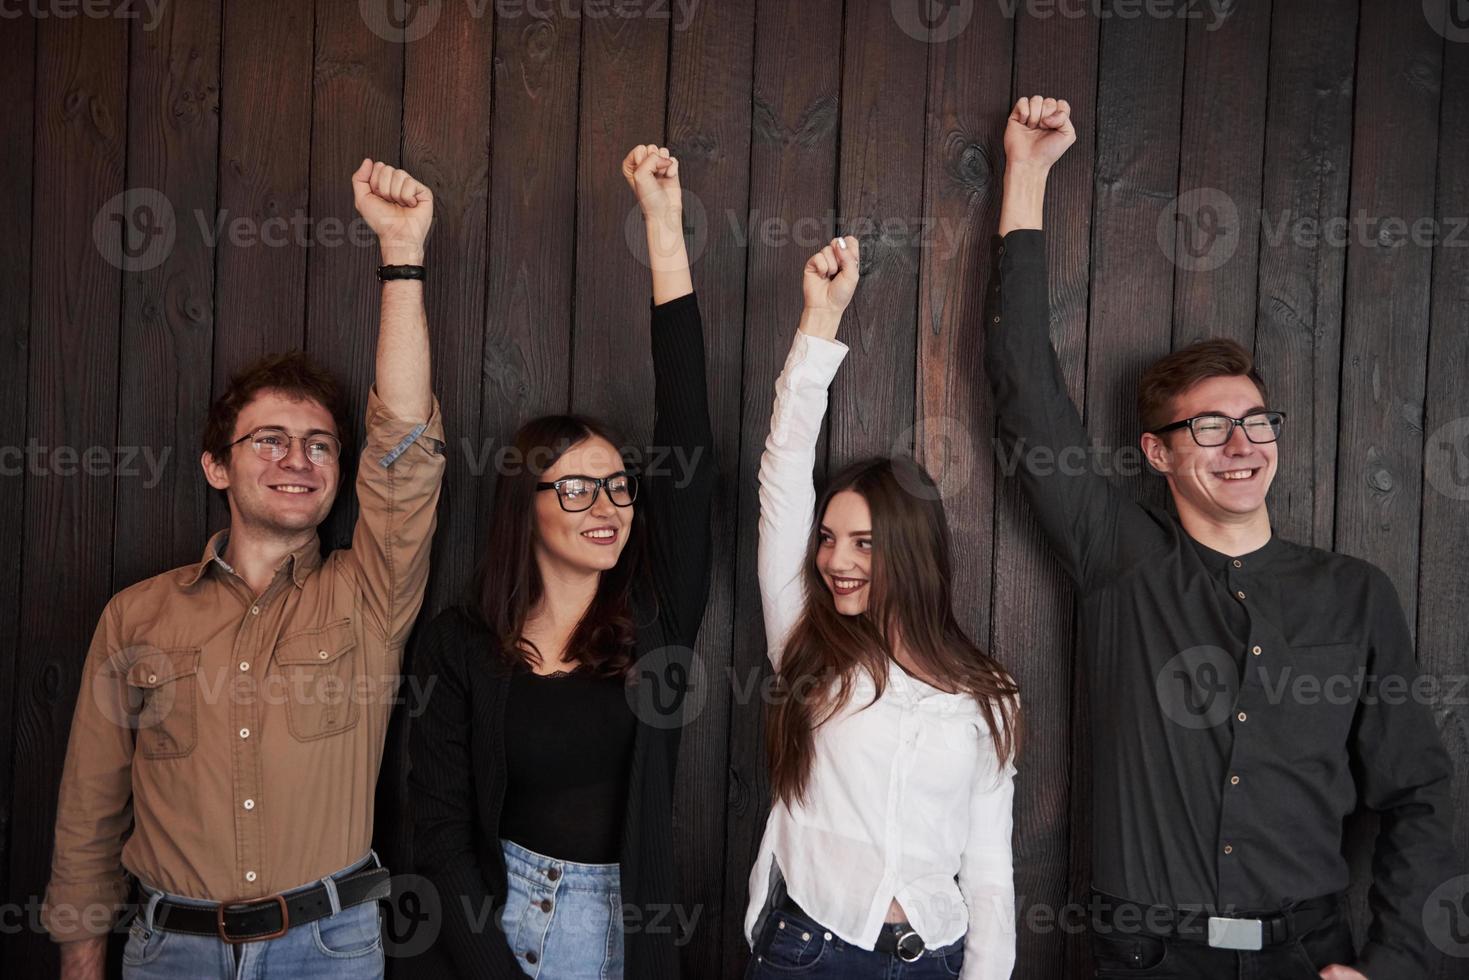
397	208
1038	131
828	284
652	172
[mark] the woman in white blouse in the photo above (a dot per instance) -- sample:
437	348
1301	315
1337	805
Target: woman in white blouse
892	738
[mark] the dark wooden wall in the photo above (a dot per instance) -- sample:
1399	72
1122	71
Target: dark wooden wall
848	116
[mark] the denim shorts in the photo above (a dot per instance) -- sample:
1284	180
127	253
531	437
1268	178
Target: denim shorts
563	919
347	945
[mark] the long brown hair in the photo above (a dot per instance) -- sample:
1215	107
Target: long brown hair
910	601
507	584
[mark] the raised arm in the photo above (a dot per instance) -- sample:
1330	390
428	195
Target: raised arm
652	172
787	493
402	461
1041	439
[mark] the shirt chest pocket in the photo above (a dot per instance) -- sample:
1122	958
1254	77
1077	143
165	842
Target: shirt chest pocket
320	671
1320	692
163	701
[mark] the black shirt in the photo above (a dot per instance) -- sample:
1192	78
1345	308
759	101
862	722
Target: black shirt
1240	705
568	745
457	783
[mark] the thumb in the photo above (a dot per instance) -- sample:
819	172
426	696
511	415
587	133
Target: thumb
360	186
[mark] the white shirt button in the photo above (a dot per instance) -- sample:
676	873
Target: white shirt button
249	876
244	733
255	610
244	665
249	804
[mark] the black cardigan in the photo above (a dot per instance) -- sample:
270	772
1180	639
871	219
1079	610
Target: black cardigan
457	780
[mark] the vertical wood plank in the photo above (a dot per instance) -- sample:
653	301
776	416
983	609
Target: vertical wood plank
1032	631
709	87
880	199
792	185
264	167
76	289
168	308
1443	620
17	76
611	372
1298	322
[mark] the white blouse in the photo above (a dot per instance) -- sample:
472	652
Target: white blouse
906	799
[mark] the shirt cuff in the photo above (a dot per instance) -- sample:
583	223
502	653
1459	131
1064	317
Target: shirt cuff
1023	246
389	437
75	912
814	358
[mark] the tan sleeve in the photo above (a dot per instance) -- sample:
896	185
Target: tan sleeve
398	480
94	811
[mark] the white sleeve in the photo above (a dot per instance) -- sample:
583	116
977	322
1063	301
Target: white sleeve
987	876
787	493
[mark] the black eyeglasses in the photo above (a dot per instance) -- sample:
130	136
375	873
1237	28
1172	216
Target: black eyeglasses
1215	429
577	493
271	443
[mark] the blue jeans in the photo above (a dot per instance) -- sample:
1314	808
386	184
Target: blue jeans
792	945
563	920
344	946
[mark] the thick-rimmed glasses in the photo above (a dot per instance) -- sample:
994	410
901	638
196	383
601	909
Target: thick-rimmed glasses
1214	429
577	493
271	443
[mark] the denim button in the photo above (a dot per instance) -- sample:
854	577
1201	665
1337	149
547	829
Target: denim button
553	873
545	905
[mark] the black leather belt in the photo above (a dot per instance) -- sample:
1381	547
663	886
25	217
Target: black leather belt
896	939
1238	931
259	919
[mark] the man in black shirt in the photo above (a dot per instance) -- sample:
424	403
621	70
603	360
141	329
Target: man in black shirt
1245	691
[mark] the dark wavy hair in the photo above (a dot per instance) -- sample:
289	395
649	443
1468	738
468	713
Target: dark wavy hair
507	584
912	581
294	374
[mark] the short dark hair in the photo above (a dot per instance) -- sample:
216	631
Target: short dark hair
1173	374
293	374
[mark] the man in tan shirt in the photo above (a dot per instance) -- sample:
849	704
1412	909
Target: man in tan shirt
230	724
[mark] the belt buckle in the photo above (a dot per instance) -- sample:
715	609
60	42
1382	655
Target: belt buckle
902	946
1227	933
223	906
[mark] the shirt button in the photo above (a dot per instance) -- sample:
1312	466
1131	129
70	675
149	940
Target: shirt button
255	610
244	665
1238	563
1241	716
249	876
997	319
244	733
1228	848
1234	780
152	678
249	804
1239	595
1255	650
321	654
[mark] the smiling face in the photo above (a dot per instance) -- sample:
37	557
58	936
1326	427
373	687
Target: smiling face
282	497
844	556
585	541
1222	484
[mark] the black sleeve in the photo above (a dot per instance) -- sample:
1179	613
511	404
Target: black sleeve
1405	775
678	482
441	790
1041	440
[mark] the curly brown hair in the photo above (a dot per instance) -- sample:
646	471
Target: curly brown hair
293	374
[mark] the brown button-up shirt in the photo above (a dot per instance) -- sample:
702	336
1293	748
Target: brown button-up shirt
226	745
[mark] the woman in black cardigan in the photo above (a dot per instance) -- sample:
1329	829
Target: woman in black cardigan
543	766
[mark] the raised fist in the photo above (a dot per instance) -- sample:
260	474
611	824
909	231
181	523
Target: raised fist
396	207
1038	131
652	172
830	277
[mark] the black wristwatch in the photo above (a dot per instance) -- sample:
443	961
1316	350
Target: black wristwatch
386	273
